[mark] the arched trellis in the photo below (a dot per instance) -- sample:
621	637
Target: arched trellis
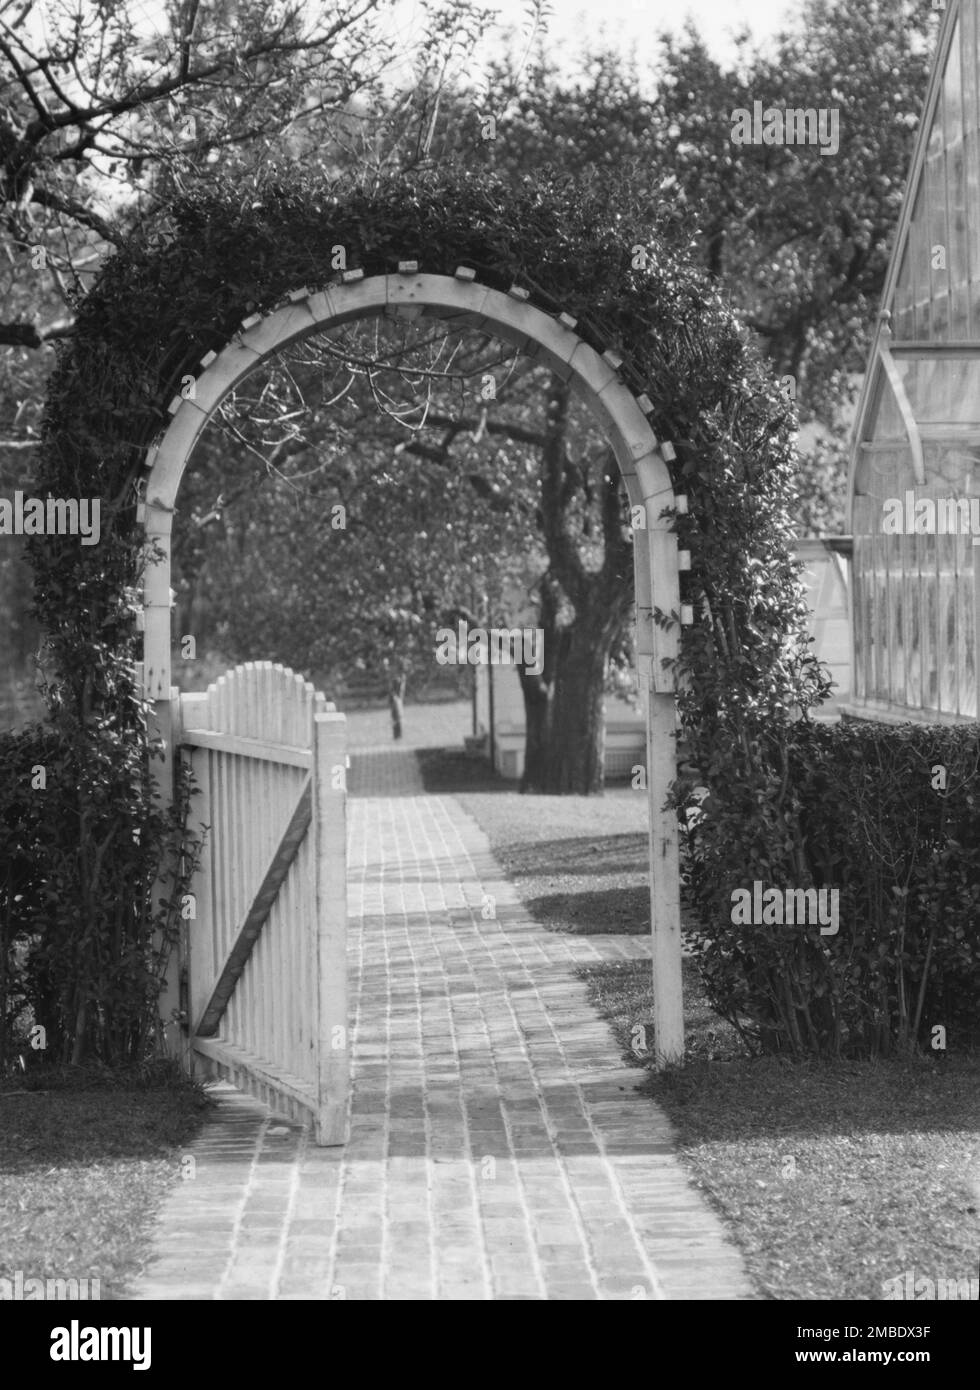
553	341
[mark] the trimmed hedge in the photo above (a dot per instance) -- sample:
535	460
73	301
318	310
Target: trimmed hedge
890	817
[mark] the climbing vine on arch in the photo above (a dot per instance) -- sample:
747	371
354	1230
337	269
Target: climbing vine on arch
178	291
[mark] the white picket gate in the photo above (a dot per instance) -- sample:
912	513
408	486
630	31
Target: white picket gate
264	955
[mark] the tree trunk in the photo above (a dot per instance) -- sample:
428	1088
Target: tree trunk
564	750
537	719
575	760
396	699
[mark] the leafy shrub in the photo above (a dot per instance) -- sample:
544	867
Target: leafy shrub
21	888
889	816
83	945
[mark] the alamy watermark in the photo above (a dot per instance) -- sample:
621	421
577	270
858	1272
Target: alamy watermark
787	907
77	1343
495	646
51	516
921	1289
794	126
24	1288
931	516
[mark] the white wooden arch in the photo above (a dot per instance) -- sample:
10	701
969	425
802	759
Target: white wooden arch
553	341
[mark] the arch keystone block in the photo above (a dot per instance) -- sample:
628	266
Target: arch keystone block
296	295
408	290
645	404
568	320
408	267
351	277
464	272
613	358
518	292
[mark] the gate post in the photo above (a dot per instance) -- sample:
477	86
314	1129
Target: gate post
330	849
163	725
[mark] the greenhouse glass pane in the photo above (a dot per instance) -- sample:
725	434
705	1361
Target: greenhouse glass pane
896	645
913	657
916	288
948	684
930	635
965	656
860	591
941	390
967	38
952	103
880	621
884	419
958	261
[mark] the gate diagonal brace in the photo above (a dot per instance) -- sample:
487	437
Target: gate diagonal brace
257	914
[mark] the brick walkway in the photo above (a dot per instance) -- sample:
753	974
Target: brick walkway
497	1148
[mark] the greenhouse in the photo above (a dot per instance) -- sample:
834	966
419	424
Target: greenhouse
916	443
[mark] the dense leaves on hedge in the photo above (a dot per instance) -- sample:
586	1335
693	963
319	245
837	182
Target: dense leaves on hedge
888	816
83	942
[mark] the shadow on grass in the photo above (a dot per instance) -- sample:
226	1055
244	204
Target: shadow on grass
80	1116
597	912
446	771
38	1129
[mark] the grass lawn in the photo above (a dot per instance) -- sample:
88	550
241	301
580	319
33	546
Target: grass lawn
83	1172
832	1178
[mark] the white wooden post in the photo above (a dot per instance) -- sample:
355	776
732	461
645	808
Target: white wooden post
163	727
655	569
192	713
665	917
330	848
